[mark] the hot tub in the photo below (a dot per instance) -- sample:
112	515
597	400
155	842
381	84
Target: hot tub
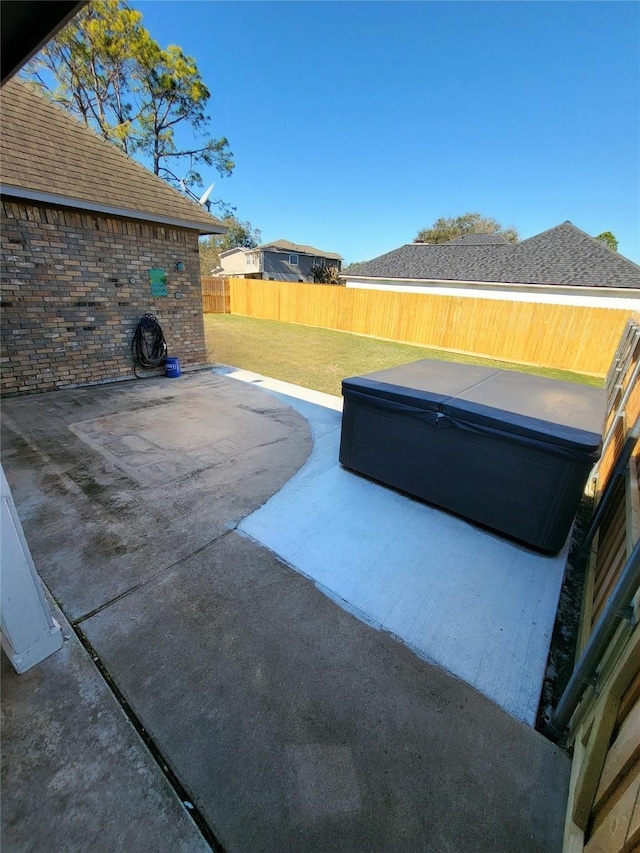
504	449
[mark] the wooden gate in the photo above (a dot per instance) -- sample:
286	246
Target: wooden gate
215	295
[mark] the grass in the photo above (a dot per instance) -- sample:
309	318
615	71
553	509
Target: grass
322	358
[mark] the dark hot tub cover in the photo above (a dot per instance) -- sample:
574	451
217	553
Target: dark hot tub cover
509	450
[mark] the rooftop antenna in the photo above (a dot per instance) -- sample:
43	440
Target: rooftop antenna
204	198
203	201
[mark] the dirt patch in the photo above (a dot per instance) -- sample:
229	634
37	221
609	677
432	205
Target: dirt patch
562	652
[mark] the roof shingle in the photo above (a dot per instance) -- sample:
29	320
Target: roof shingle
480	239
563	255
44	150
286	246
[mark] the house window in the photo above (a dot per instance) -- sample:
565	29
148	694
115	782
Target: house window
293	260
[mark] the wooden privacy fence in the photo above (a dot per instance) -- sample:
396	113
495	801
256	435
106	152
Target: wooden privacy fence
604	800
580	338
215	295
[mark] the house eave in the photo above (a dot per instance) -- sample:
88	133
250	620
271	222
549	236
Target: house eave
233	251
28	26
590	289
125	213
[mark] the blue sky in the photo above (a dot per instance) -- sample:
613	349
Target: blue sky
355	124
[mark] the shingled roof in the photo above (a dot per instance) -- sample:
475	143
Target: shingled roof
480	239
47	155
286	246
563	255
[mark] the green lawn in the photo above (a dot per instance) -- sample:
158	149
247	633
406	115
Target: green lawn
321	358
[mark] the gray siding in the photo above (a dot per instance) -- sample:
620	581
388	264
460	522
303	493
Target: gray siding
277	266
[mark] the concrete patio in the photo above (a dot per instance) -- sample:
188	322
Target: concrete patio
479	604
202	668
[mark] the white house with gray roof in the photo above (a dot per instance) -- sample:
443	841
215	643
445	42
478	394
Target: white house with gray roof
562	265
276	261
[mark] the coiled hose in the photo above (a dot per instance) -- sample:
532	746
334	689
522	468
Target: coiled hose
148	347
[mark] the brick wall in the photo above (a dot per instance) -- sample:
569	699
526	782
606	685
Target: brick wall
75	284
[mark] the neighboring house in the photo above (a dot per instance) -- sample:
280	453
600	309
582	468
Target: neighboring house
277	261
562	265
82	227
232	262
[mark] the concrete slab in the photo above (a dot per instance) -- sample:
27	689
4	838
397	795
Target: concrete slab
469	600
115	483
292	724
300	728
75	774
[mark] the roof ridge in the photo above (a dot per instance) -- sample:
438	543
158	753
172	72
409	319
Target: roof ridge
299	248
547	230
599	243
582	233
451	244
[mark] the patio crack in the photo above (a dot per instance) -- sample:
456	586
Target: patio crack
181	792
76	622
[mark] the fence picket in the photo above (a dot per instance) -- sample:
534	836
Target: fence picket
569	337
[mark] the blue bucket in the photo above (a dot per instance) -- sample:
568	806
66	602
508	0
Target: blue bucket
172	367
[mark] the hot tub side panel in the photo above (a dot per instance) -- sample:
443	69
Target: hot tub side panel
525	492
